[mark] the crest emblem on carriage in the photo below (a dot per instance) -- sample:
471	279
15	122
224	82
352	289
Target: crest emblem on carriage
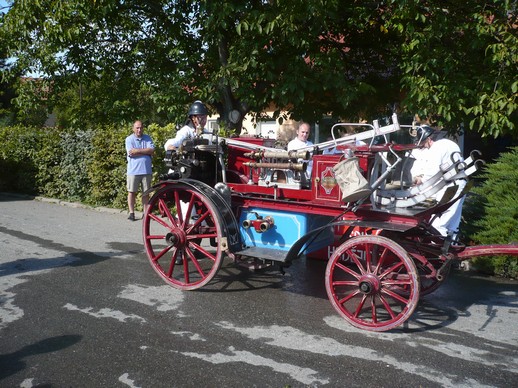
328	181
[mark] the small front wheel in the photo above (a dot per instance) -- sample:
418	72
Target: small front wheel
372	282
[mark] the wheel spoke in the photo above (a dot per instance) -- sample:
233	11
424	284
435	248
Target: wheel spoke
162	253
397	282
387	307
155	237
348	270
197	222
360	306
381	260
178	207
373	309
195	263
188	212
391	270
186	272
348	297
398	297
164	209
159	220
172	263
351	283
401	287
356	260
205	253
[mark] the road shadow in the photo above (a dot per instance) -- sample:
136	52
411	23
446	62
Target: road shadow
440	309
73	257
127	248
232	278
454	298
14	362
12	197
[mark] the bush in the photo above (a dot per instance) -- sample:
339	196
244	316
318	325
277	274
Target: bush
87	165
18	159
497	223
107	172
73	171
49	157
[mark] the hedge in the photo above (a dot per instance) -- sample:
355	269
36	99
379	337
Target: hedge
491	213
85	165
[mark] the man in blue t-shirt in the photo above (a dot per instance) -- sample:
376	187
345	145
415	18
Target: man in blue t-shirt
139	151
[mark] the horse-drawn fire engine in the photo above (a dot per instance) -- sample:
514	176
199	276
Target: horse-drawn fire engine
244	199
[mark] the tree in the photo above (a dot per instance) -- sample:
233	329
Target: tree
6	95
459	62
7	92
350	59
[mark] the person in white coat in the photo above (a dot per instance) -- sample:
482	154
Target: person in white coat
301	141
438	150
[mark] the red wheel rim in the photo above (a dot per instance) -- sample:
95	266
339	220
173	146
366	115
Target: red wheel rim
372	282
182	235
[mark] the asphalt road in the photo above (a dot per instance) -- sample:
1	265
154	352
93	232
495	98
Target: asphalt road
81	307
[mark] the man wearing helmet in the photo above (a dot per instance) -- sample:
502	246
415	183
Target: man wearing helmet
438	150
193	127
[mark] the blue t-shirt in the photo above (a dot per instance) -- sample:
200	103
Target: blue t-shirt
140	164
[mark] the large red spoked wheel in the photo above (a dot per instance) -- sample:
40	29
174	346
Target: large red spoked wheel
182	236
372	282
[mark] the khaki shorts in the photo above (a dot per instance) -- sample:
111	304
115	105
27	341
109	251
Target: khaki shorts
133	182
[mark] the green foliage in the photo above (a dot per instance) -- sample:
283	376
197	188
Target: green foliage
73	172
7	92
87	166
455	62
49	157
107	172
18	158
498	222
93	104
31	102
459	62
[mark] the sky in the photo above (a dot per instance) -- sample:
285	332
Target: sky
3	6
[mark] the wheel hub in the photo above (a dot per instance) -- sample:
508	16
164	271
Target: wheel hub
369	284
176	238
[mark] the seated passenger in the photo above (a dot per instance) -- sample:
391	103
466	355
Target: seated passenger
436	151
301	141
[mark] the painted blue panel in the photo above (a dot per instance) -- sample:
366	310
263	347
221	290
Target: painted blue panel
287	229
